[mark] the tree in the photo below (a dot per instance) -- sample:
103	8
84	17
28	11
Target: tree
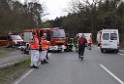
86	16
15	16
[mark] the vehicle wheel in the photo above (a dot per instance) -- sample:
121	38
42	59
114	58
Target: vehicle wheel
102	50
116	51
59	50
65	50
8	45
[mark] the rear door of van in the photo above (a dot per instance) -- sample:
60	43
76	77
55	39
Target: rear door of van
114	40
105	41
110	39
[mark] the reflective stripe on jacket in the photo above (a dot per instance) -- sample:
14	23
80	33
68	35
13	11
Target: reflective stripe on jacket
45	45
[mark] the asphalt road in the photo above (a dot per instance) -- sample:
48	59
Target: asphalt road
14	55
67	68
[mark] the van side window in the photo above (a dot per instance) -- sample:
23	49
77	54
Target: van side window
3	37
9	38
0	38
113	36
105	36
48	35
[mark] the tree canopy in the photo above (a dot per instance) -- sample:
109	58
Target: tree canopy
90	17
15	16
83	16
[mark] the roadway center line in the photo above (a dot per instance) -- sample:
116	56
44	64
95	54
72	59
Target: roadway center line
110	73
23	77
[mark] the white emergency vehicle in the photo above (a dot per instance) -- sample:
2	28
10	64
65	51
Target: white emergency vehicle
87	35
108	39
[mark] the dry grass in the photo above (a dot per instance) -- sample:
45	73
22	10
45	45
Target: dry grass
11	73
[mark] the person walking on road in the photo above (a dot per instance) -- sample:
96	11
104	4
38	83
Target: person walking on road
82	43
89	42
44	45
34	47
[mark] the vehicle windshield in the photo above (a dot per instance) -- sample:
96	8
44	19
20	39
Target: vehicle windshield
58	33
15	37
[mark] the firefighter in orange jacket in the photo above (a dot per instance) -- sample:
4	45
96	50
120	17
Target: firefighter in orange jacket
34	47
44	45
89	42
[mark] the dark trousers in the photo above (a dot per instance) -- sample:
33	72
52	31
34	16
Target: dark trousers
81	50
89	46
69	47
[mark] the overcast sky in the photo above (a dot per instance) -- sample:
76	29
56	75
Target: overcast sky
54	7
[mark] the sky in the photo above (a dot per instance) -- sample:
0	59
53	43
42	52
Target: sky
54	8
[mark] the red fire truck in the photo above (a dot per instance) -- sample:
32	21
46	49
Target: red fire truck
56	36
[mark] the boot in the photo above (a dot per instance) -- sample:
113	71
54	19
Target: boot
42	62
45	61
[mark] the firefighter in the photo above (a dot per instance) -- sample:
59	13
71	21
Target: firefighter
45	45
75	42
69	43
34	47
89	42
82	44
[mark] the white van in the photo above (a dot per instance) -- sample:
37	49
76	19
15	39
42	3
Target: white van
87	35
109	40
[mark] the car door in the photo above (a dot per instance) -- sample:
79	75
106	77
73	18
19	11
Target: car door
105	40
113	40
3	40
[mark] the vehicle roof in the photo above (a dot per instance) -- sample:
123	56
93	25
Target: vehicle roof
30	30
110	30
27	30
4	35
51	29
7	34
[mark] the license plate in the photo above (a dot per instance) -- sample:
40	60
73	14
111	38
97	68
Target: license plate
59	46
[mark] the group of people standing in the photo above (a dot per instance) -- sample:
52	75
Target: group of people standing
40	53
36	55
